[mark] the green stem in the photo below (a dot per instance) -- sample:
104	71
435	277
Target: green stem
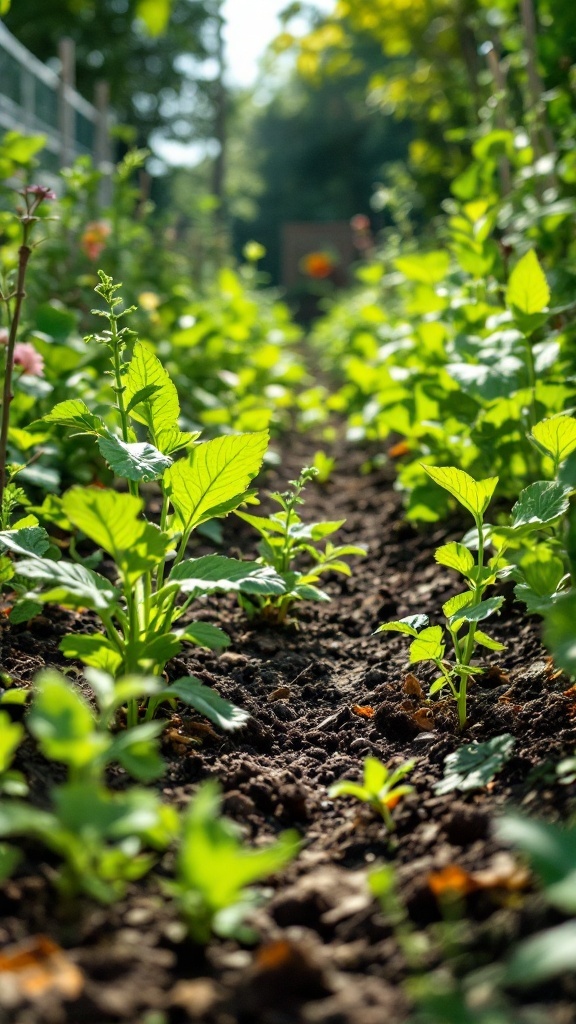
531	381
19	295
119	390
478	592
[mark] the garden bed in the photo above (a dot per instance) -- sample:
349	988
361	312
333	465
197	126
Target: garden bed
323	693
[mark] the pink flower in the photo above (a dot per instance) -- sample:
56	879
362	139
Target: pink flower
26	356
42	191
3	336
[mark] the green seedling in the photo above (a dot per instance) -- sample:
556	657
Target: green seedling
464	611
214	870
284	539
379	788
475	765
325	465
142	607
101	836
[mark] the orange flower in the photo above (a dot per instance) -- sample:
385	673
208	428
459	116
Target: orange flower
93	241
318	264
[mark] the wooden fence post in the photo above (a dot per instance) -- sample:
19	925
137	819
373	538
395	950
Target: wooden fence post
66	112
102	148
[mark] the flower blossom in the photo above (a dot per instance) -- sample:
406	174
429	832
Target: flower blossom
93	241
318	264
41	191
26	356
4	336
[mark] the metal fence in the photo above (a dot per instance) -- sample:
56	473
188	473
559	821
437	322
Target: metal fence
35	100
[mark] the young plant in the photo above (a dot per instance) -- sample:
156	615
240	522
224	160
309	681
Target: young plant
139	608
379	787
100	835
213	870
284	538
464	611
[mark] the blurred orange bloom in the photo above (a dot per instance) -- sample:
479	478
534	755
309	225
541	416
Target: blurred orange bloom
93	241
318	264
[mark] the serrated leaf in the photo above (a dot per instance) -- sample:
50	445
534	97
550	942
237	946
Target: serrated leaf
454	604
137	461
209	703
540	503
75	413
30	540
474	495
428	646
475	765
213	479
95	650
69	584
212	573
204	634
159	410
528	290
477	612
455	556
557	436
111	520
409	625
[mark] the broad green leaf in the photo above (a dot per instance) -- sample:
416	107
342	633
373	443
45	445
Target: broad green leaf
455	556
69	584
136	750
207	701
158	406
428	646
111	520
75	413
152	653
138	461
6	570
408	625
213	479
63	724
95	650
542	570
528	290
262	524
557	436
375	774
426	268
4	7
211	573
30	540
475	765
24	610
543	956
487	641
550	848
540	503
474	495
204	634
477	612
454	604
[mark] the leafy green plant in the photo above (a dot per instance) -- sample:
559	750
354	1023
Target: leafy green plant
101	836
473	766
284	538
465	610
380	787
139	610
214	869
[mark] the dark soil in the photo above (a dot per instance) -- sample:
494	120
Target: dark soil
327	954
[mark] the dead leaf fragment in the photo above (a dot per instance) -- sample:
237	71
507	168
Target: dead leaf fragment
453	880
37	966
399	449
424	719
363	710
281	693
412	687
504	873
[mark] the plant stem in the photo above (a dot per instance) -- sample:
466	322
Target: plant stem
531	381
19	295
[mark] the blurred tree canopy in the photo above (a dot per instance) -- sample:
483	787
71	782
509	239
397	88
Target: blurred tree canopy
159	58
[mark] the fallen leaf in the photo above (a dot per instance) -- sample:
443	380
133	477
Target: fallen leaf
38	966
503	873
412	687
452	879
424	719
281	693
399	449
363	710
